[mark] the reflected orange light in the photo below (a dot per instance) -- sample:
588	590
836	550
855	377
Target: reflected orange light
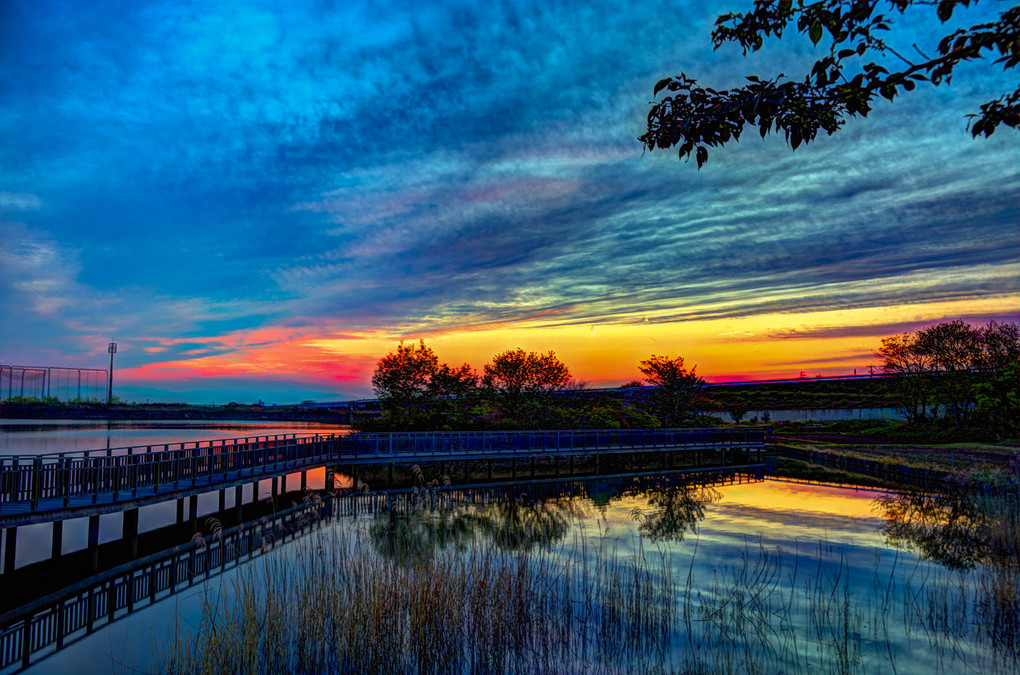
793	496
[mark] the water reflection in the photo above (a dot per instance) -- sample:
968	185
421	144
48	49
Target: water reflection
638	574
428	520
959	528
968	530
522	583
431	521
673	511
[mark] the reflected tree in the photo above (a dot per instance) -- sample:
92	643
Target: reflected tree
420	531
969	530
959	529
432	522
523	526
673	511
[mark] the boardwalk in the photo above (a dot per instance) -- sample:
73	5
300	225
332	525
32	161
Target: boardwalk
38	488
49	487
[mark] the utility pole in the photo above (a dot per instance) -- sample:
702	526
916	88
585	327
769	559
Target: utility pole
109	392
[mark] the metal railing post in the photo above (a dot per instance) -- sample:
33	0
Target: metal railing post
36	482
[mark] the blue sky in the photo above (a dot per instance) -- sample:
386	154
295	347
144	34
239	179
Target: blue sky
270	195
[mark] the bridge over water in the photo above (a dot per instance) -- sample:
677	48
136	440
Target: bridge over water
55	487
50	487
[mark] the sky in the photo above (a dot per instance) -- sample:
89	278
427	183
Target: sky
261	199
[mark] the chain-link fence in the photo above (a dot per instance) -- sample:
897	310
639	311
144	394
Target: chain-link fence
20	383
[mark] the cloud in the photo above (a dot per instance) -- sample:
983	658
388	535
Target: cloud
38	275
331	168
19	202
870	330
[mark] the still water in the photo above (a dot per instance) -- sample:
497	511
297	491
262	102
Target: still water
32	437
755	577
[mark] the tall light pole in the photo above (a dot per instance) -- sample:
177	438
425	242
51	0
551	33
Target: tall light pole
109	392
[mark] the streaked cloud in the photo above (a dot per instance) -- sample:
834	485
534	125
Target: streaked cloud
10	201
216	188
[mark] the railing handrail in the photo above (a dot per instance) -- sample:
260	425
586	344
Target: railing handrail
556	431
167	447
103	476
17	622
126	450
127	568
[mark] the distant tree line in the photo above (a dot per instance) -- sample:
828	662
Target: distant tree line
959	373
519	389
951	375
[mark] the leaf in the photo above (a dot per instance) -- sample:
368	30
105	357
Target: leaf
702	156
784	6
815	32
945	10
660	85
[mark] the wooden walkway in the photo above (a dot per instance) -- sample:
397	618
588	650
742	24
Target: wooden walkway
37	488
42	488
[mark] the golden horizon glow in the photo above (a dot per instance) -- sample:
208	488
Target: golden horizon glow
605	354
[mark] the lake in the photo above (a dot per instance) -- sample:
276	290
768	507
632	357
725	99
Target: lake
619	575
31	437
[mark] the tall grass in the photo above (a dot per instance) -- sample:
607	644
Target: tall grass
582	603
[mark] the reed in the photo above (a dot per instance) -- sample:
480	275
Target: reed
555	602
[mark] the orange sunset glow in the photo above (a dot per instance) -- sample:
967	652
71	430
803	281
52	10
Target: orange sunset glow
602	355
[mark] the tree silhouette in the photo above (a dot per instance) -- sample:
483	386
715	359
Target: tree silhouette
841	84
674	389
412	384
518	381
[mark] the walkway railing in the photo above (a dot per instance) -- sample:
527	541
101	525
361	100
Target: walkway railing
66	616
528	442
76	478
34	483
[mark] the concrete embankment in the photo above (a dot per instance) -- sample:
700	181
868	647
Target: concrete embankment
893	472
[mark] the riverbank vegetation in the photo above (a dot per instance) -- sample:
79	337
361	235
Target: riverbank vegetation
955	463
958	372
526	390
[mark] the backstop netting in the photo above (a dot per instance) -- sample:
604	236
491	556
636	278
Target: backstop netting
43	382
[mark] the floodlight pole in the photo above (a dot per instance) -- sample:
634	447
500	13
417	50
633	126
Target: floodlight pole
109	392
